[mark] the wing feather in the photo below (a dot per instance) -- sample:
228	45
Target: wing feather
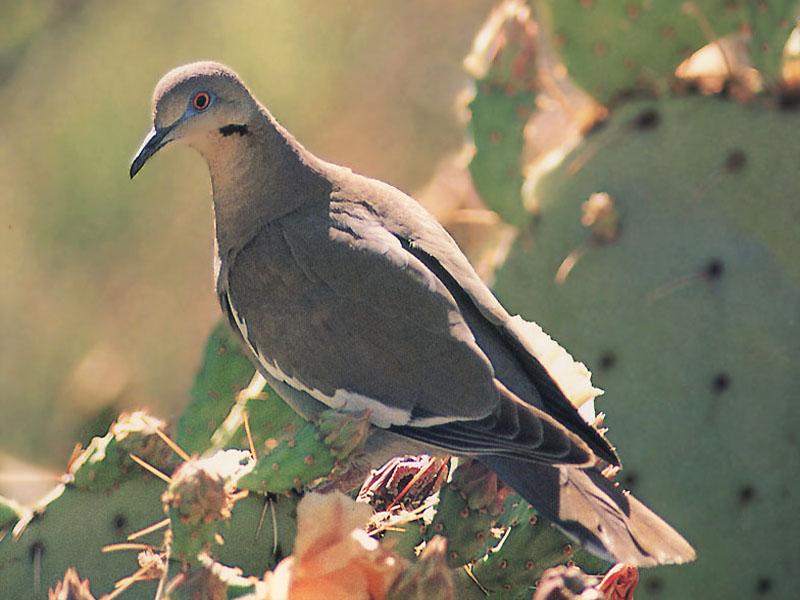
340	306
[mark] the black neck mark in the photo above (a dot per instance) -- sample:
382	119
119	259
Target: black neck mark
233	128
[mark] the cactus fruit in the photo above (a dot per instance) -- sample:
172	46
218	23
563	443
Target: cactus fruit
687	316
503	64
199	500
612	47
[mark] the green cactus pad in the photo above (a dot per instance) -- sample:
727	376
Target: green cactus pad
503	63
404	537
770	23
270	419
292	453
252	542
224	372
611	47
106	460
10	513
291	463
531	546
469	506
71	529
688	319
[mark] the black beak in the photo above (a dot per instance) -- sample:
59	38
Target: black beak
154	141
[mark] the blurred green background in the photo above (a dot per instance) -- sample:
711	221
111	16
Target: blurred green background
107	292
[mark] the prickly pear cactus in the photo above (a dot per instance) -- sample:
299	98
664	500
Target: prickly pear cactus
107	459
769	24
70	528
531	545
10	513
666	257
498	536
612	47
503	64
468	509
198	501
224	372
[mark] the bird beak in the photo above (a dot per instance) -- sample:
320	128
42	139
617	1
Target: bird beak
155	140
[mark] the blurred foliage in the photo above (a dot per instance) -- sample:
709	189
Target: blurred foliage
104	281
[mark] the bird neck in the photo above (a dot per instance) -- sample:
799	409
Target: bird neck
259	173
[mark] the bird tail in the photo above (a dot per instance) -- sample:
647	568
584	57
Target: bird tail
595	512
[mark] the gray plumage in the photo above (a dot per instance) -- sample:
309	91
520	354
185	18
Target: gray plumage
349	295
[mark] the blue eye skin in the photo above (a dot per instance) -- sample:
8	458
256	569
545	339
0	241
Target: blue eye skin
201	101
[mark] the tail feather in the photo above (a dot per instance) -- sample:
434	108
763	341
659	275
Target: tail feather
595	512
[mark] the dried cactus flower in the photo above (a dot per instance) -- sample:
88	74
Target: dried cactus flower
620	582
334	558
70	588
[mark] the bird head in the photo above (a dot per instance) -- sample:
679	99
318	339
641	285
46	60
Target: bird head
194	102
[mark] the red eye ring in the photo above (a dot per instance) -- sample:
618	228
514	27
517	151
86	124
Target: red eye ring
201	100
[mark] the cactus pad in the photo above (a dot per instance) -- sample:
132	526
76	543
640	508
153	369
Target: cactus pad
688	320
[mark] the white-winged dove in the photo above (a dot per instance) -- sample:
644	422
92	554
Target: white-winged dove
349	295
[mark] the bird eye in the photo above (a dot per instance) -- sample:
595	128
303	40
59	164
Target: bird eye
201	100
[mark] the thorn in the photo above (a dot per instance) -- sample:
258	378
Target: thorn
246	420
240	495
274	527
261	518
147	466
669	288
566	266
174	583
120	587
126	582
471	575
149	529
123	546
163	580
173	445
129	580
76	452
